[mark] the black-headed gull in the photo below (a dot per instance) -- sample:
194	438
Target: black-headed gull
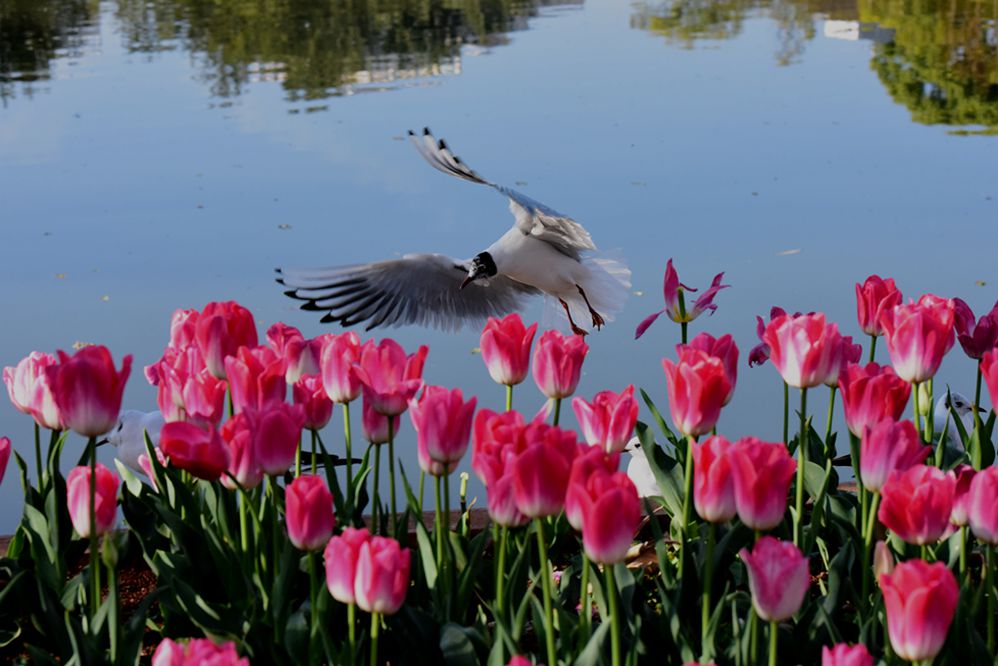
544	252
128	435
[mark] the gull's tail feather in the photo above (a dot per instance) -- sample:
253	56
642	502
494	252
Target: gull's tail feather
607	286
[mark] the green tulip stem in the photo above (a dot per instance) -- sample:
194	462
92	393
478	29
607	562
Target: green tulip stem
977	418
930	426
586	608
708	581
439	530
687	502
918	413
828	426
446	531
391	470
773	635
315	452
801	465
375	625
786	413
868	530
38	447
112	613
557	410
683	324
243	526
376	509
873	347
963	553
313	579
298	458
94	565
992	590
422	484
545	573
348	439
509	396
753	637
614	602
501	568
352	630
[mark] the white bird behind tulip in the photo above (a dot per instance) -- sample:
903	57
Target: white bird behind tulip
639	471
958	406
128	436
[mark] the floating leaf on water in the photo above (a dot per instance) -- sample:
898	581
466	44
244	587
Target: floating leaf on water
60	276
78	345
638	293
786	253
105	298
980	283
284	227
476	350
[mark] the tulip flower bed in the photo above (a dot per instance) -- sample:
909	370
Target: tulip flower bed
270	543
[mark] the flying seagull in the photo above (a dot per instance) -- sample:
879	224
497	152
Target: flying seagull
544	252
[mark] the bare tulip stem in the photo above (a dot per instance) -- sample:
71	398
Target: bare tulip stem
509	396
298	457
918	412
873	347
708	581
831	414
614	601
501	568
585	612
38	443
375	625
687	503
347	437
930	427
391	469
786	414
974	460
315	452
545	567
773	636
557	410
352	630
313	579
376	509
801	464
439	528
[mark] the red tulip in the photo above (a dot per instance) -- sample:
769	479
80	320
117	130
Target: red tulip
375	425
608	421
311	395
713	481
277	434
337	361
196	450
521	661
989	369
382	575
197	652
442	420
239	433
30	391
390	379
87	389
762	472
887	447
591	461
961	495
105	499
183	327
256	378
975	338
697	386
982	505
873	298
723	348
918	336
185	390
540	472
4	455
611	512
920	600
842	356
495	437
778	578
505	345
870	394
844	654
917	503
502	503
301	356
309	512
760	353
689	311
803	348
341	556
221	329
558	363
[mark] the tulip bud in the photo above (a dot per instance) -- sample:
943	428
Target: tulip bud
883	560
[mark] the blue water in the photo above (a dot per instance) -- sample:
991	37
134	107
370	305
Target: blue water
147	165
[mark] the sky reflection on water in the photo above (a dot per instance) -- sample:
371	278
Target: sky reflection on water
156	155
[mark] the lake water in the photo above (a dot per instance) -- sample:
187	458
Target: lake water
164	153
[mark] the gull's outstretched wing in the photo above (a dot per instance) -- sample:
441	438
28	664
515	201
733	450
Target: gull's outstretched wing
416	289
532	217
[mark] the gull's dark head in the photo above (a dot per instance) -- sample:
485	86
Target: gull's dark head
482	266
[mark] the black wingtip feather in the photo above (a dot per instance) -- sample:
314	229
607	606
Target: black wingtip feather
442	144
328	319
411	133
426	131
310	306
280	281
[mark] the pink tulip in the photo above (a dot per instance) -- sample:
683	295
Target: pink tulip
389	378
4	455
146	465
713	481
105	499
920	600
541	471
961	495
337	361
803	348
982	505
309	512
989	369
916	504
723	348
87	389
697	386
301	356
30	391
256	378
883	560
221	329
196	450
762	472
183	329
494	436
608	421
185	390
505	345
577	495
311	395
239	433
442	420
382	575
197	652
873	298
918	336
844	654
778	578
870	394
887	447
558	363
975	337
611	512
375	425
760	353
341	556
689	311
844	355
277	434
521	661
502	503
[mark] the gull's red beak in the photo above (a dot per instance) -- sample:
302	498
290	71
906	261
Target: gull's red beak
468	280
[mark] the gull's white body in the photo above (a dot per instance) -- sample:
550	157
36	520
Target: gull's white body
128	436
639	471
962	408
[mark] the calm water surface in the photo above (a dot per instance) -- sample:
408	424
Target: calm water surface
161	154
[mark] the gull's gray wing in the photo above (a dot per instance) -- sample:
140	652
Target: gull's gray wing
416	289
532	217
